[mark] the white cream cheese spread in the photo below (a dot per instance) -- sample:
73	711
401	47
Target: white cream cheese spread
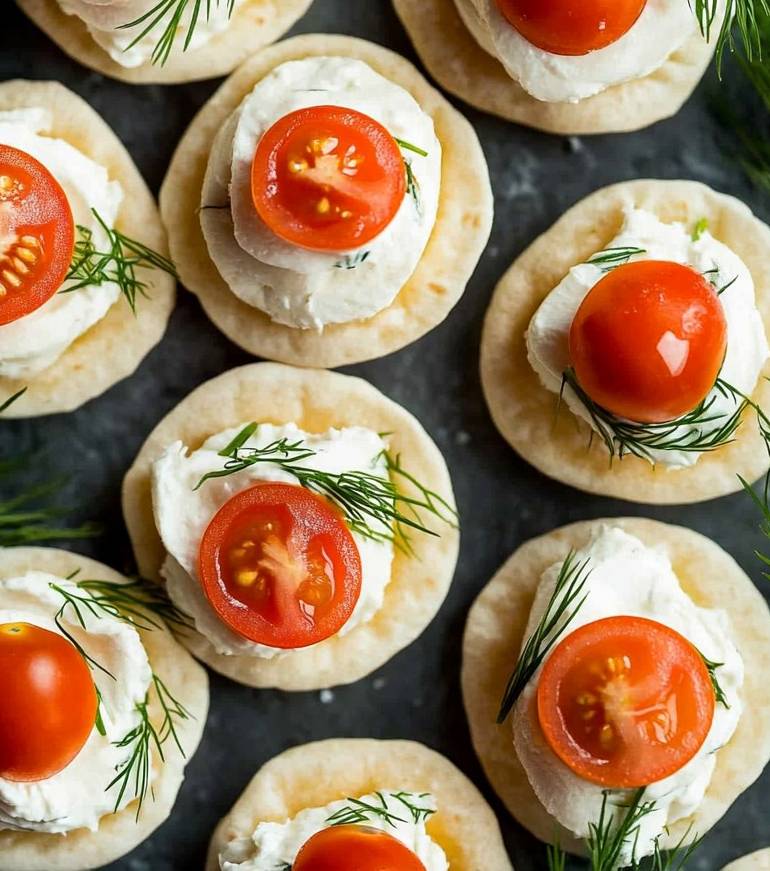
106	20
660	30
747	348
274	845
627	578
34	342
183	513
294	286
77	797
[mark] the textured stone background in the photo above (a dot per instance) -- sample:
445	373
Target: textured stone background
503	501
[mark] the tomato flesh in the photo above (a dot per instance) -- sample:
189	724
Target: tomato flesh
572	27
327	178
625	702
280	566
37	234
48	704
649	340
355	848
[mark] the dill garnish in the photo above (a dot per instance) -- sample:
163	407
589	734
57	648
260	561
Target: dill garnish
623	437
373	506
718	691
11	399
610	258
746	15
412	185
565	602
174	10
359	811
353	261
699	229
117	265
135	773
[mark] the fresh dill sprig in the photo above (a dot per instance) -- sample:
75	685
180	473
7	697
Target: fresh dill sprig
412	185
608	837
117	265
11	399
363	497
174	10
408	146
353	261
135	773
623	437
675	859
359	811
557	858
699	229
611	258
139	603
569	594
712	670
743	15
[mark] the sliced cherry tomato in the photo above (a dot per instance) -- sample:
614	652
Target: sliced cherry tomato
625	701
572	27
280	567
327	178
47	702
648	341
37	234
355	848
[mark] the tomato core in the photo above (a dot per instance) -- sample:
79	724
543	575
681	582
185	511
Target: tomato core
49	702
572	27
37	234
280	566
625	702
327	178
649	340
355	848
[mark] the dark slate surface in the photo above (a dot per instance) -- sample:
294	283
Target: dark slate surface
503	501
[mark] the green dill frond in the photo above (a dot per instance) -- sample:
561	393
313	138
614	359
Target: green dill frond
609	837
373	506
173	11
91	267
675	859
135	774
412	185
747	17
699	229
4	406
707	430
358	811
566	600
556	857
712	667
611	258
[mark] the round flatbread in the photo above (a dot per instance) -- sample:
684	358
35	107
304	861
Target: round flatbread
459	236
313	775
759	861
114	347
255	24
463	67
118	833
495	631
315	401
525	412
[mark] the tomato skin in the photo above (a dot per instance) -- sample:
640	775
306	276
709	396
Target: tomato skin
649	340
572	27
37	234
625	702
327	178
355	848
48	705
280	567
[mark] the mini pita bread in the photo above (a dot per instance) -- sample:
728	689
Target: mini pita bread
759	861
463	67
315	401
313	775
115	346
459	236
495	631
118	833
525	412
255	24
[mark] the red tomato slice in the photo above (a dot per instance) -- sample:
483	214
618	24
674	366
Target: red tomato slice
280	567
37	234
649	340
327	178
49	702
572	27
355	848
625	702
